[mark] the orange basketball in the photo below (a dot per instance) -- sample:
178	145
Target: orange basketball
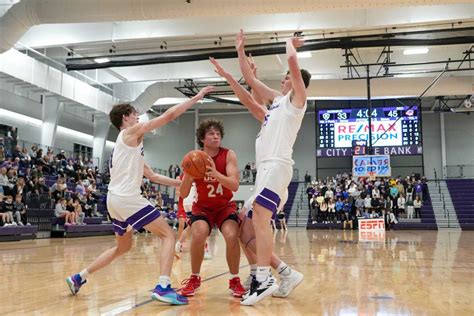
194	163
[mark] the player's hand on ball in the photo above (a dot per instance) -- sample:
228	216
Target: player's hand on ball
211	168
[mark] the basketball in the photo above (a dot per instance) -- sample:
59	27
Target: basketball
194	163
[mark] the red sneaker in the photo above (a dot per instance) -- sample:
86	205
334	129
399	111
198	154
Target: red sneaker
236	288
190	285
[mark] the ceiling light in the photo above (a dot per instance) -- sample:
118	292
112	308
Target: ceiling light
304	55
101	60
415	51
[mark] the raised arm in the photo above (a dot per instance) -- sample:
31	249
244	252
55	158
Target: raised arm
140	129
158	178
298	94
267	94
257	110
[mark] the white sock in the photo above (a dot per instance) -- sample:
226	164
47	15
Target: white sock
84	274
164	281
283	269
253	269
262	273
196	274
233	276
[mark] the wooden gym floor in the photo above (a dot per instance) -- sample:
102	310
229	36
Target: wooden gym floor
392	273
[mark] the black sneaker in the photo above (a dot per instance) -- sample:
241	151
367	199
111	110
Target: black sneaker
259	290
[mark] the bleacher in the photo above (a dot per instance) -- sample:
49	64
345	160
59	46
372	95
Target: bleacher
462	195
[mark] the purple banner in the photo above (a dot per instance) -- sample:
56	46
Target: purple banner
389	150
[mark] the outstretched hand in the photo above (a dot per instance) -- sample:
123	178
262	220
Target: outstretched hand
296	41
252	65
204	91
218	68
240	40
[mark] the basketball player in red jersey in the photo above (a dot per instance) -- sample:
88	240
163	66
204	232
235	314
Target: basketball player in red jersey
214	206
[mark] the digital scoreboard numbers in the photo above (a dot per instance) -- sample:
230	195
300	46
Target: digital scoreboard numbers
395	131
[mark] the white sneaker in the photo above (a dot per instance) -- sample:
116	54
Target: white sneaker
28	224
259	290
14	224
248	282
21	224
288	283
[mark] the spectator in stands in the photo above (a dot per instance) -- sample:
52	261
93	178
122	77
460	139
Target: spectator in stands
5	182
417	204
69	169
375	192
90	207
401	203
78	211
80	188
171	171
409	192
307	178
246	175
339	208
419	189
332	211
424	188
359	203
38	171
323	208
410	209
61	212
177	171
32	152
253	169
9	208
347	219
391	220
61	155
21	208
6	215
368	203
90	176
20	187
59	189
41	188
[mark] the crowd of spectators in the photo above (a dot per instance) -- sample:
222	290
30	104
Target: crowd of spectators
23	175
343	199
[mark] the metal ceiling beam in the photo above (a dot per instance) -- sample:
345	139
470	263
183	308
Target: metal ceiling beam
367	41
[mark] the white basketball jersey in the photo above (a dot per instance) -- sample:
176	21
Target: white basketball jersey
126	168
279	130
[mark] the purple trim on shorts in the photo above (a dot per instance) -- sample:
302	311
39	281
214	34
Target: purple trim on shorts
119	227
268	199
250	213
143	217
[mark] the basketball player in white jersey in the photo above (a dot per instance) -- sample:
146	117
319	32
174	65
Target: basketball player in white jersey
281	122
127	207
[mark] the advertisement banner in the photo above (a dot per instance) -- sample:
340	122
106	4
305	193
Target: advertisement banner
373	165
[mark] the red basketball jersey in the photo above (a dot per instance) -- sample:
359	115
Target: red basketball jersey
210	193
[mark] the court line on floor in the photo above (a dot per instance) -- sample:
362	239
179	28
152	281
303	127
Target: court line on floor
205	280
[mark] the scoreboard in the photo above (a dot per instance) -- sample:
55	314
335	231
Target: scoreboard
390	127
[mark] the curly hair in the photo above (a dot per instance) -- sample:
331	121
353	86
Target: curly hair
117	113
205	126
